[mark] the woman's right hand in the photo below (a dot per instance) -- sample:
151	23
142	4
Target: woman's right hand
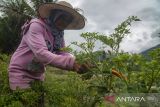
80	68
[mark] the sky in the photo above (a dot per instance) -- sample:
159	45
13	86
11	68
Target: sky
104	15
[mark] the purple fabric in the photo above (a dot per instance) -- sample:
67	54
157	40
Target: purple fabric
33	45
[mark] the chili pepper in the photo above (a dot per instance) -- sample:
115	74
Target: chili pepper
118	74
124	77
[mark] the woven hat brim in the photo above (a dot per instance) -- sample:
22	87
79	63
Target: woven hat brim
78	22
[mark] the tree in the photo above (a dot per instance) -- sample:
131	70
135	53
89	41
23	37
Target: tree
14	15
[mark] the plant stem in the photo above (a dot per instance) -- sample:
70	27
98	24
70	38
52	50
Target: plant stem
152	81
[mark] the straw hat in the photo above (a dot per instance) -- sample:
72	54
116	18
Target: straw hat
78	21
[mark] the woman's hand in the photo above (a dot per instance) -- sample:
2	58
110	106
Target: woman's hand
80	68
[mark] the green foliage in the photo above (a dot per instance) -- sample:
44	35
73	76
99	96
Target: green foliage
16	8
14	15
137	73
113	40
9	34
68	91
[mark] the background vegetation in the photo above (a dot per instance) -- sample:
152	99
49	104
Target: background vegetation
14	15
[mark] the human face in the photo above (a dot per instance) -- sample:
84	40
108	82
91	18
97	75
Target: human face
63	21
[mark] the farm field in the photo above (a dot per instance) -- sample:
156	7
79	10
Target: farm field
114	77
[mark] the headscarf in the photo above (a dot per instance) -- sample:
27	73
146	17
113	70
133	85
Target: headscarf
57	34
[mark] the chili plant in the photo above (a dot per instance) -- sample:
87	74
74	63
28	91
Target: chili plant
102	70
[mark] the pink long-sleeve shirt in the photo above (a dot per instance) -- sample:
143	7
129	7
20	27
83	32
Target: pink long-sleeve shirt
33	45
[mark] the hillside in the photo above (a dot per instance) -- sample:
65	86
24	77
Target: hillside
150	49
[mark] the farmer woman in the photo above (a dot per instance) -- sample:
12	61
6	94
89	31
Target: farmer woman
41	43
